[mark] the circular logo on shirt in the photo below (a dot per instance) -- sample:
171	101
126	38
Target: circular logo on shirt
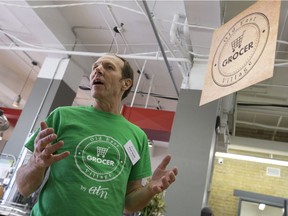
100	158
240	49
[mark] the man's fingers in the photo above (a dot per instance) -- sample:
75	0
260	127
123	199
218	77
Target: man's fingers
172	177
165	183
156	189
43	125
175	171
42	143
44	132
53	148
47	156
61	156
165	162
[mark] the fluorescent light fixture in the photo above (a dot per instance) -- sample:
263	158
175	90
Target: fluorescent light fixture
252	159
261	206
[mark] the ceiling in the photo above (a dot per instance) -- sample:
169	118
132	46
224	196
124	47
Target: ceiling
162	39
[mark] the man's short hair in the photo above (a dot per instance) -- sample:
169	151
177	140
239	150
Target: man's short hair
127	73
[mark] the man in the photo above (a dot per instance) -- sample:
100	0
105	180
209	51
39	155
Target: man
206	211
96	159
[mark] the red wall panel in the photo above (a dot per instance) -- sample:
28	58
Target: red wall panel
156	123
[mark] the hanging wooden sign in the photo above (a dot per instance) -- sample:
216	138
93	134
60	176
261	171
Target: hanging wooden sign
242	51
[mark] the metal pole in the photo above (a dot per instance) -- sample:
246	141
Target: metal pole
138	82
160	45
149	91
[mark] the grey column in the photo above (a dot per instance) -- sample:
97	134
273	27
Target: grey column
192	147
56	85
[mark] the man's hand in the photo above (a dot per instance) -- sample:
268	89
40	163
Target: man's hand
162	178
43	149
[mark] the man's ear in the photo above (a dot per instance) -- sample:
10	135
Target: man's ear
126	83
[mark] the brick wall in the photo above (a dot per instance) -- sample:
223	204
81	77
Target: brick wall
243	175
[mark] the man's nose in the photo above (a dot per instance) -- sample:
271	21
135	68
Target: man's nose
99	69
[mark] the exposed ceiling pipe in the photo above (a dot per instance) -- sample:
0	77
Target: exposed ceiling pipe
174	38
281	35
272	85
65	52
256	150
160	45
25	53
262	125
180	66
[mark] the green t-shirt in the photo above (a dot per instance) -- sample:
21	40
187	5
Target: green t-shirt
93	179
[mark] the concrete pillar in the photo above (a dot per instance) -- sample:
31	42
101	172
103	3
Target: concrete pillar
56	85
192	145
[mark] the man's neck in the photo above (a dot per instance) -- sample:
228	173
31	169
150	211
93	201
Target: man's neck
107	107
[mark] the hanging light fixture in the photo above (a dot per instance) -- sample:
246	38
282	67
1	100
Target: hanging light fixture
18	98
4	123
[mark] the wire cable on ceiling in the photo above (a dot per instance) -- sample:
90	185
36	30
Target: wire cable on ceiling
119	28
111	31
82	4
64	52
188	25
281	41
109	4
160	35
69	5
136	56
103	3
21	41
19	56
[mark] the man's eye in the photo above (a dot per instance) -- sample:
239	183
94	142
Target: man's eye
109	67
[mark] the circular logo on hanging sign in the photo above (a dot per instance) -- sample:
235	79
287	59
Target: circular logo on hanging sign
240	49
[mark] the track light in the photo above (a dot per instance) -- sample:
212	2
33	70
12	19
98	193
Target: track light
17	100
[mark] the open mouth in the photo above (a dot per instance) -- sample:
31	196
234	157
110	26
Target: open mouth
98	82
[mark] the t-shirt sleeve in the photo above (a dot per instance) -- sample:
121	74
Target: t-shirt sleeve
30	142
142	168
50	121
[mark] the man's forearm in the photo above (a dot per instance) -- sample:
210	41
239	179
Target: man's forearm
138	199
29	177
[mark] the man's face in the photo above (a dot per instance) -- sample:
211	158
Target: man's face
105	78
